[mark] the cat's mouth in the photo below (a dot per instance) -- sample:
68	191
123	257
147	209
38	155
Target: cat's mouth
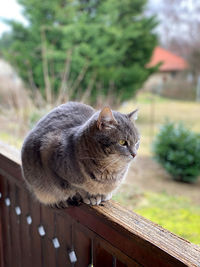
128	158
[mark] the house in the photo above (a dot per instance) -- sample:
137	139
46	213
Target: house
170	67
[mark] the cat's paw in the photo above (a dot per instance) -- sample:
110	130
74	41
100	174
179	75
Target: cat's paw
96	200
75	200
106	197
60	205
92	200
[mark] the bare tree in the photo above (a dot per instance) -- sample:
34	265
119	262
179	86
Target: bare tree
179	30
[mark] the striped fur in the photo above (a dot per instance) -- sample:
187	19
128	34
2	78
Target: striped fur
74	150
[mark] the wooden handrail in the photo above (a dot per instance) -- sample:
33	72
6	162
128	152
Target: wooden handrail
113	233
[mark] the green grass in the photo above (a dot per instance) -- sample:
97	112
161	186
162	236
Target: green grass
153	112
11	140
147	98
175	214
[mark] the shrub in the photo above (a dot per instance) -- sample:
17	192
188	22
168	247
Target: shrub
178	150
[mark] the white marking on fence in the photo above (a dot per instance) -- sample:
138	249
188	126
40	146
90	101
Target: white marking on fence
29	219
72	256
56	242
18	210
7	201
41	230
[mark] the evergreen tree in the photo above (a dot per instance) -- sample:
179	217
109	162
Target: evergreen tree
77	46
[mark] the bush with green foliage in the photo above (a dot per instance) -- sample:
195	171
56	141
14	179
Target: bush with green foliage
97	46
178	150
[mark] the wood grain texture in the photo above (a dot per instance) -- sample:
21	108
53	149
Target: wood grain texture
5	220
136	236
63	233
120	237
15	227
36	241
6	229
26	240
1	247
82	246
48	250
2	222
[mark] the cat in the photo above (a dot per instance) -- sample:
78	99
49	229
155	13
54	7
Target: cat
76	153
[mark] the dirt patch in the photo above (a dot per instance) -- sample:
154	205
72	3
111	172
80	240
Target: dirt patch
147	175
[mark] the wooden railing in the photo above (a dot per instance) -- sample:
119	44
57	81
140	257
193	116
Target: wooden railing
33	235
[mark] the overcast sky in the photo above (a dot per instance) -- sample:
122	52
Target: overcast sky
9	9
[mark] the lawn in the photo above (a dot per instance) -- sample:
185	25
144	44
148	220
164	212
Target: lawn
176	214
172	210
154	110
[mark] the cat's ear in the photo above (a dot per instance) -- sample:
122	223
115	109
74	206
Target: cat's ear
133	115
106	119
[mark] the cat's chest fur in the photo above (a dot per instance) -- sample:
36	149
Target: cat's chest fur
107	175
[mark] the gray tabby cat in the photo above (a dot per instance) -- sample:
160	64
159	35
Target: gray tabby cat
77	152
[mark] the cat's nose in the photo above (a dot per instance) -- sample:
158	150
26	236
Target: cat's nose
133	154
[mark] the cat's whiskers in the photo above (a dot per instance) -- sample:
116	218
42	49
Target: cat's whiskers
109	164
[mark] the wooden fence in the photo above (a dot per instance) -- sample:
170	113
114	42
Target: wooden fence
32	235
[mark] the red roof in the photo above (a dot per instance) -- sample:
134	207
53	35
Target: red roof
170	61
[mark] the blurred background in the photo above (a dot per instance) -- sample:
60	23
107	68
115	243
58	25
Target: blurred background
126	54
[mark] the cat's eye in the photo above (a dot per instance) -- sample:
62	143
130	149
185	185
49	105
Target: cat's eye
123	142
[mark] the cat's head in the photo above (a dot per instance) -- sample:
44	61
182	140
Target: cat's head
117	134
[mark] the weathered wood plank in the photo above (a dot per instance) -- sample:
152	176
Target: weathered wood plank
26	241
4	230
1	246
63	233
118	257
5	219
15	227
48	250
82	245
36	244
136	236
102	257
133	236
